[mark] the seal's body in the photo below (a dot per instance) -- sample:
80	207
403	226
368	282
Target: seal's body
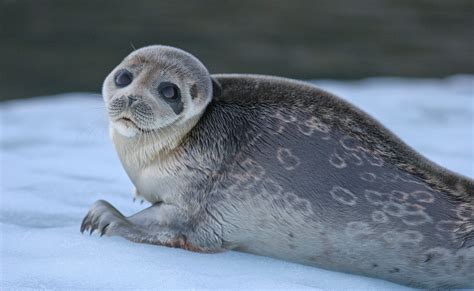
277	167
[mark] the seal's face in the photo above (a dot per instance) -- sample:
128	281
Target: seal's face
155	87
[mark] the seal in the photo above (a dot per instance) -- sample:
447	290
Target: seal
279	168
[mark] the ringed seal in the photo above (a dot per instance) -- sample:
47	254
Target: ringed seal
280	168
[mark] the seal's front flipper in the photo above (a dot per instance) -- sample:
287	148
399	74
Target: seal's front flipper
104	218
158	224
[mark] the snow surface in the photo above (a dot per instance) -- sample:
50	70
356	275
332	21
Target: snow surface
56	160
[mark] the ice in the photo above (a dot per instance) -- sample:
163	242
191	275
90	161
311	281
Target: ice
56	160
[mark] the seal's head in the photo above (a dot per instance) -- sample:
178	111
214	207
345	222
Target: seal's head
154	88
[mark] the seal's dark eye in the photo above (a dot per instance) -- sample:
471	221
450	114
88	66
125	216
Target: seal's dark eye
169	91
123	78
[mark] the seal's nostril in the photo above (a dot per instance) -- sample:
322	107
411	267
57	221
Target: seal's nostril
131	99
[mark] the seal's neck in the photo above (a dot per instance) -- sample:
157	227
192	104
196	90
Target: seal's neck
148	147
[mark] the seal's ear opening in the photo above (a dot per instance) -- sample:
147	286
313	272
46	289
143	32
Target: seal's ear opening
216	88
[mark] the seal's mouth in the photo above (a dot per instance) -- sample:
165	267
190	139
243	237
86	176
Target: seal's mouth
126	119
130	123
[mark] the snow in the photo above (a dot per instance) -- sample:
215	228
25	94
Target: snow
56	160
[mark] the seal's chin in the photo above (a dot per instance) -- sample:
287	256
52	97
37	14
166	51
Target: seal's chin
125	127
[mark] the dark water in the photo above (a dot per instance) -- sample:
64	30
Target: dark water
49	47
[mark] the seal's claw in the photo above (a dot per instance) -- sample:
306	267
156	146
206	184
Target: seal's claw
104	229
83	224
100	217
86	223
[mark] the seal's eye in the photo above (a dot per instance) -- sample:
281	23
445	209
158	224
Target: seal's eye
123	78
169	91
